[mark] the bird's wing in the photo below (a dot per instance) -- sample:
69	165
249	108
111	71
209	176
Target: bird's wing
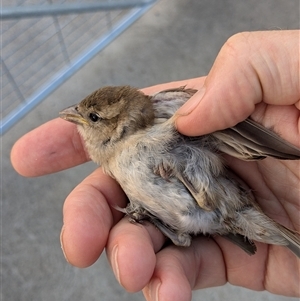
167	102
200	197
182	89
249	140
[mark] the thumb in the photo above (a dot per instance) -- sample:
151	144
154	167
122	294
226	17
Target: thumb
244	74
210	110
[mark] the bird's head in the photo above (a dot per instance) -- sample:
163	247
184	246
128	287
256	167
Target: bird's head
109	115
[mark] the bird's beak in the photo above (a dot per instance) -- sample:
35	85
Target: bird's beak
71	114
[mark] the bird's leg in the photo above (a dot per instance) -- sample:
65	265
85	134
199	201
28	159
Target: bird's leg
139	215
179	239
166	172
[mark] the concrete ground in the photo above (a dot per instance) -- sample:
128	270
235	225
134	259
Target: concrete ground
174	40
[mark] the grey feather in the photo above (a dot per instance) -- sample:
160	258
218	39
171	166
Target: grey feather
179	183
248	140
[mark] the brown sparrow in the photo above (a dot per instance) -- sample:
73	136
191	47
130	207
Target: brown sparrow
180	183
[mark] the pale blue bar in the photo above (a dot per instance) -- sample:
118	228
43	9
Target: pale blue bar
66	73
29	11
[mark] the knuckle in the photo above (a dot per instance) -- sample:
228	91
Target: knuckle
237	45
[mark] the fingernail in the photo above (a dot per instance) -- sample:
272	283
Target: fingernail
151	292
192	103
62	242
114	263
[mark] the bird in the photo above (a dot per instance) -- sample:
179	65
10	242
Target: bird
178	183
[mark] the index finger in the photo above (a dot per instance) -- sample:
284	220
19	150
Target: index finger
53	146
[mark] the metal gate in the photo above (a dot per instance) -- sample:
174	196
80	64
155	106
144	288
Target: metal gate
44	42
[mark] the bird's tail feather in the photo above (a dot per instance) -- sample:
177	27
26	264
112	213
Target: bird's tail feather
293	239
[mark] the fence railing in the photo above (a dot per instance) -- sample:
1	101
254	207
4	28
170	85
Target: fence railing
44	42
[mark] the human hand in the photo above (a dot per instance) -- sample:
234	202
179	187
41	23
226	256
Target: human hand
90	223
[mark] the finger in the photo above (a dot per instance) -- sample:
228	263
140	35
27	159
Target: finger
88	216
242	269
245	73
54	146
131	251
179	270
206	263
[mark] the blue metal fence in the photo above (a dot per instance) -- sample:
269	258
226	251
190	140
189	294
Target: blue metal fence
44	42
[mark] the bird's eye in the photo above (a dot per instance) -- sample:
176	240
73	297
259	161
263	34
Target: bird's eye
94	117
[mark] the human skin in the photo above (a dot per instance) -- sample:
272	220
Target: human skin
256	74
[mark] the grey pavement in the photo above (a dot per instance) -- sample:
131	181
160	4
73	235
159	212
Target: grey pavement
174	40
